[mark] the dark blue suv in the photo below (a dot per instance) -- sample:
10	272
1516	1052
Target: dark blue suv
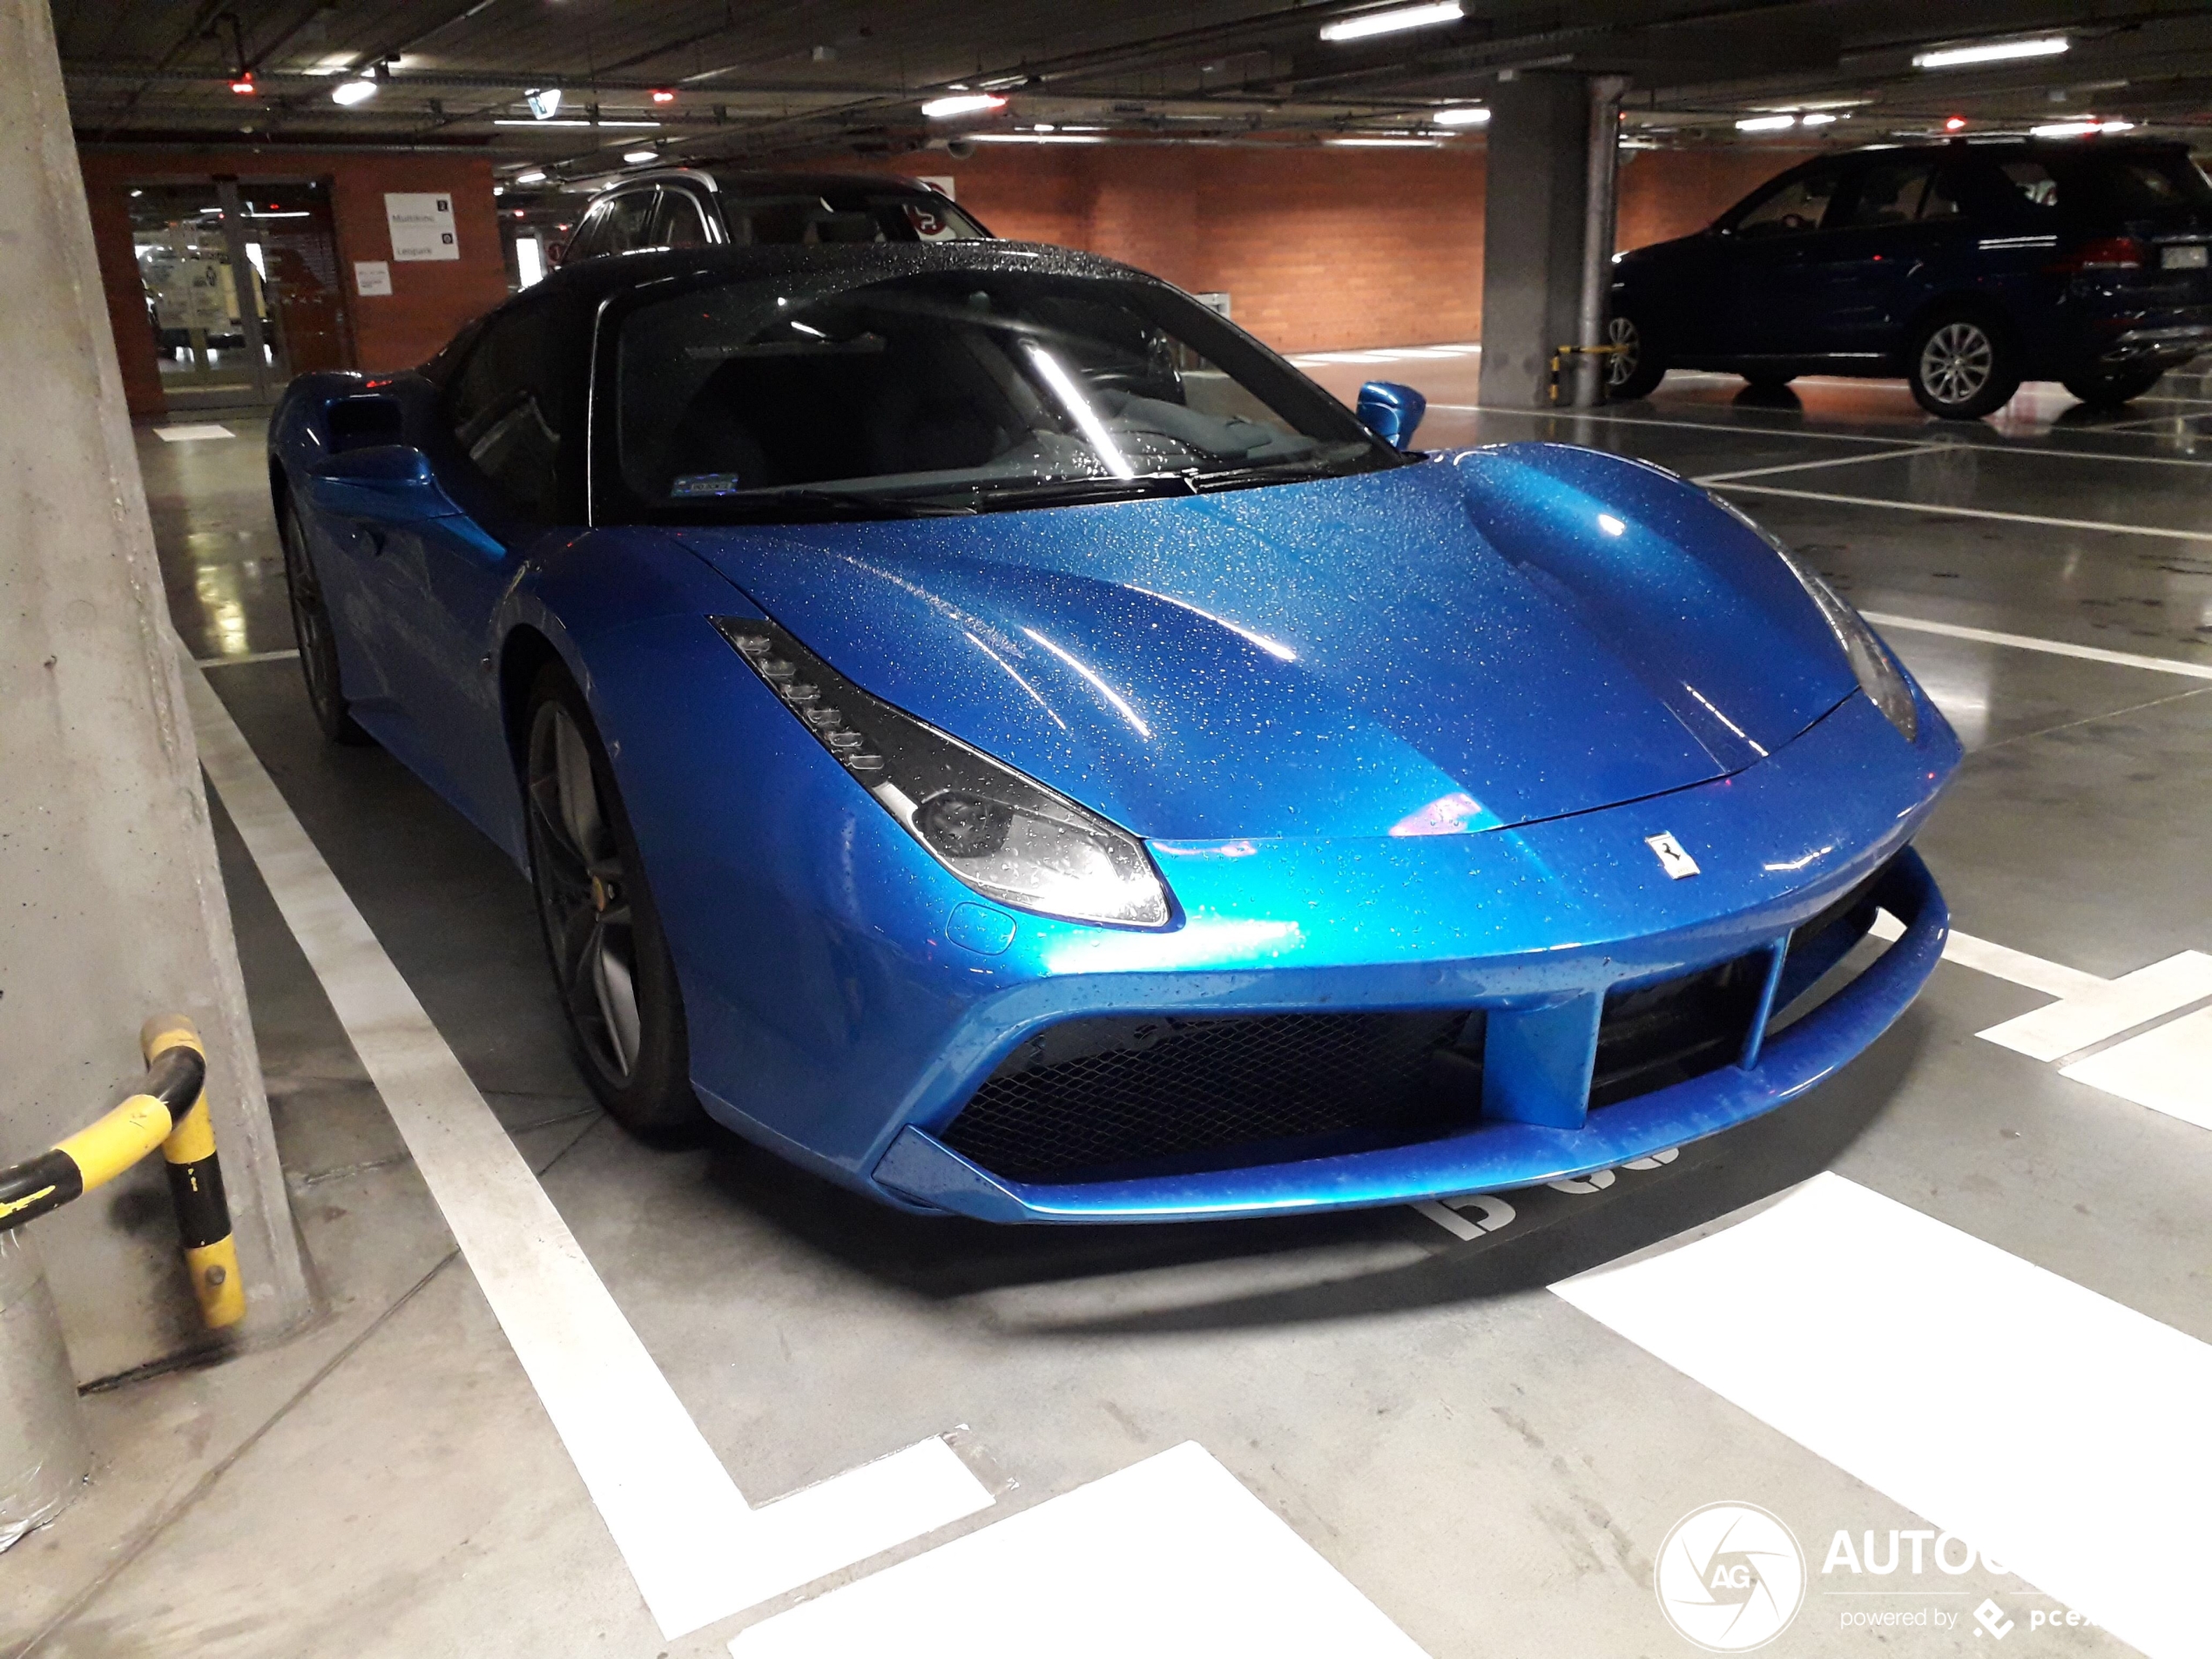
1966	267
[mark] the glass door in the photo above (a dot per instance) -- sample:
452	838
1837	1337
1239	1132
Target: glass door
241	287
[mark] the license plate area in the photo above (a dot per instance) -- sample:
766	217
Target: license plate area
2188	256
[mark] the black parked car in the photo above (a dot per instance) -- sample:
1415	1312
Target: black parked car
1966	267
693	207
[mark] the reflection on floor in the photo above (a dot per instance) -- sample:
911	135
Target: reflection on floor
1490	1467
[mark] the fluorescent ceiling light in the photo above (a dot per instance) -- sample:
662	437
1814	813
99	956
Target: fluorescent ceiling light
1034	137
639	157
1389	23
517	121
351	92
962	104
545	102
1993	51
1464	116
1380	143
2079	128
535	176
1817	118
1765	123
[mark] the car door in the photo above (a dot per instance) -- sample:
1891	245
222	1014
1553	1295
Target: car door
509	440
1778	243
1894	237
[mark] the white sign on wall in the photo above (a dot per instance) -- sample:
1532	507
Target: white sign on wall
372	276
421	224
940	182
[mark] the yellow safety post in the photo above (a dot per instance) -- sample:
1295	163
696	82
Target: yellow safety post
170	1111
1562	353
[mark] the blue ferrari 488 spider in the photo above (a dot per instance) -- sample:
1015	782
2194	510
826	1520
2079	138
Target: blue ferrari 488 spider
986	729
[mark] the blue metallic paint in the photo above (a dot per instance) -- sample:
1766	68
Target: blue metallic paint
1395	741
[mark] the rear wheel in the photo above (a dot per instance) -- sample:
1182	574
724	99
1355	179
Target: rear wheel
2110	391
1632	369
1961	367
611	962
311	626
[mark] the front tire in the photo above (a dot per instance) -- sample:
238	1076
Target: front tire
2110	391
611	960
1635	369
1961	366
317	637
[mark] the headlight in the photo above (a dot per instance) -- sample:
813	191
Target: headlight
1878	675
1005	835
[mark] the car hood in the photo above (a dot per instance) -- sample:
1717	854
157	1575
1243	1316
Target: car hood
1484	640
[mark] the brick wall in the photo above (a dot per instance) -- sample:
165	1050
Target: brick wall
430	299
1318	248
1666	193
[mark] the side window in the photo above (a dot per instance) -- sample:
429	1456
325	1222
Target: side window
505	412
2034	183
1890	192
590	239
1949	194
628	216
1793	208
679	223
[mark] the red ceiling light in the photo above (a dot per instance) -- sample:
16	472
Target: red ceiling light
663	95
1954	124
242	83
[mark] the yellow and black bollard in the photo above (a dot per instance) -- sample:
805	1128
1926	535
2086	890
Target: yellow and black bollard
170	1111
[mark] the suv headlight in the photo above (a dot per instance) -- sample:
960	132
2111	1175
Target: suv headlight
1005	835
1878	674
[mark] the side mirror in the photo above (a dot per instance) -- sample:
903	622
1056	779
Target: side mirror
390	466
1392	412
364	422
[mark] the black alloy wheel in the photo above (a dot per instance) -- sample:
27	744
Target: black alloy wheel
1632	368
2109	391
611	962
312	628
1961	367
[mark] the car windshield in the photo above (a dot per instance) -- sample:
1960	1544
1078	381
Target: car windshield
821	395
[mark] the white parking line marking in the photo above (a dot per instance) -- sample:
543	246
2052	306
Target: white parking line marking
2059	1431
2088	1016
1724	428
2027	642
198	434
1712	478
2103	526
2168	1069
698	1552
2000	961
1170	1558
250	656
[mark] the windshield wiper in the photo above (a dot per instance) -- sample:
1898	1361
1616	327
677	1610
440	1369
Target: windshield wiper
1267	472
775	505
1039	492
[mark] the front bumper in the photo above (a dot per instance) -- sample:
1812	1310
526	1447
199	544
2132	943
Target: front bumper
1495	1155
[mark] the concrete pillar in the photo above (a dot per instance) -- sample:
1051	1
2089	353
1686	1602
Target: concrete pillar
1532	233
112	905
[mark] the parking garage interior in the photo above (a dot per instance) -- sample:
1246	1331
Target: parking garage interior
513	1378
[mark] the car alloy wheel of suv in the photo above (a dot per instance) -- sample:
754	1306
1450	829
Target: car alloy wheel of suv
1961	369
1632	369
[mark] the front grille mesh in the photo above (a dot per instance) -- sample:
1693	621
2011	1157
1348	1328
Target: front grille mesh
1093	1095
1092	1099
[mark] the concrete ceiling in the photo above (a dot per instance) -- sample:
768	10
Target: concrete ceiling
765	83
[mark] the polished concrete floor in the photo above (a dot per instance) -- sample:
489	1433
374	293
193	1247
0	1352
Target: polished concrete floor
1489	1465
